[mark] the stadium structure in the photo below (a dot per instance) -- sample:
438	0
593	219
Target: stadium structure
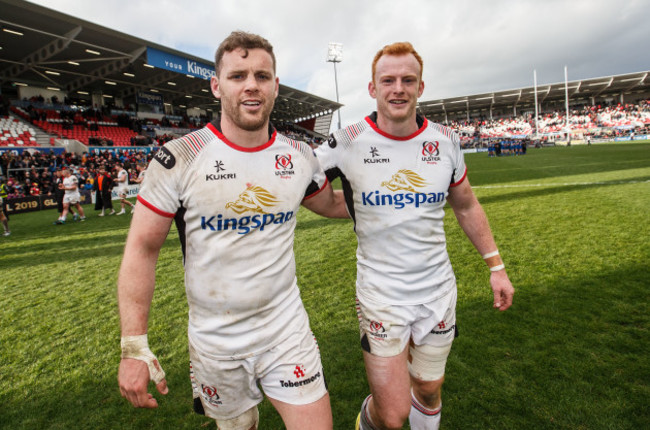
54	56
47	53
625	88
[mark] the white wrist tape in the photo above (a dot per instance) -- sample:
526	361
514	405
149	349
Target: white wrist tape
137	348
491	254
497	268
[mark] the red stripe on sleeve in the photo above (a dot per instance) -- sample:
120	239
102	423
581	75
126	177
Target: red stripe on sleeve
155	209
455	184
316	192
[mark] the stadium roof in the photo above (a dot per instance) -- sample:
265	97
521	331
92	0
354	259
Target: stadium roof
45	48
631	86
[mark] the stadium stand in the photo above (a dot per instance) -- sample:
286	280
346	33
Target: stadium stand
16	133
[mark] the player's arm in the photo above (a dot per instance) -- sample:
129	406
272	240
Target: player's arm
327	202
474	223
135	291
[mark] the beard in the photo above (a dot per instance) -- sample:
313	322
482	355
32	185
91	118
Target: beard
246	121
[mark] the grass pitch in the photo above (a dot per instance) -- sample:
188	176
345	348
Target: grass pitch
572	353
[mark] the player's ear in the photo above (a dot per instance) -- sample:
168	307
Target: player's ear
214	86
421	89
277	87
372	90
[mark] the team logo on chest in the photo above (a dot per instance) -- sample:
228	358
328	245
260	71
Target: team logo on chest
284	166
219	167
431	152
376	158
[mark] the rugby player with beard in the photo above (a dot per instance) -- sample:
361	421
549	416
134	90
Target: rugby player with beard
236	218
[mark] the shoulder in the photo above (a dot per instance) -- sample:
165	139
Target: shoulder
298	146
184	150
448	132
344	137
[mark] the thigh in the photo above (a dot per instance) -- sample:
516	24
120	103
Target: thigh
227	388
292	372
314	416
437	323
432	339
385	330
389	382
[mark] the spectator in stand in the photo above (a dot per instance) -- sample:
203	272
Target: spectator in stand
34	190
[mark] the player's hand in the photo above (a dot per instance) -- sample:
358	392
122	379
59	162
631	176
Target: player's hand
502	289
133	378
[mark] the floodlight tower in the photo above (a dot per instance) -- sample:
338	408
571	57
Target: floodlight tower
335	55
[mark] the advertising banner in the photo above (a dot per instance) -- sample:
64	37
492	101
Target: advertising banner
174	63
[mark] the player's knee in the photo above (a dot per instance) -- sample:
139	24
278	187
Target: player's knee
392	420
393	417
428	393
246	421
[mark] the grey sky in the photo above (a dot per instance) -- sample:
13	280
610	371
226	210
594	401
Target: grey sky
468	46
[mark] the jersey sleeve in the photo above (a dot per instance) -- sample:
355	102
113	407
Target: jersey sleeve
160	190
460	169
327	155
318	178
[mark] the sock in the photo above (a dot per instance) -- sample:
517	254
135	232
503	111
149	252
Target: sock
422	418
5	224
366	423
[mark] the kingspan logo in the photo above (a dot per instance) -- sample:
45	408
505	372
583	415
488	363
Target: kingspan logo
407	181
254	199
196	69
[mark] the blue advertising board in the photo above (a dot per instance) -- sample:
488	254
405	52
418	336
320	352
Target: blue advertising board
175	63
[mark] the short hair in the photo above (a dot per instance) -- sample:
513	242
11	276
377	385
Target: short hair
398	48
245	41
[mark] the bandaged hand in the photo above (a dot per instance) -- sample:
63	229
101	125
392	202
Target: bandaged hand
137	348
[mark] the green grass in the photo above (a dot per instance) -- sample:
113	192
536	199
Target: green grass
572	353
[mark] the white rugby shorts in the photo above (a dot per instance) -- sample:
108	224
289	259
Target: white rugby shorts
71	199
385	330
290	372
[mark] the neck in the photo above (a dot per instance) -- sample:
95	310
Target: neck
397	128
244	138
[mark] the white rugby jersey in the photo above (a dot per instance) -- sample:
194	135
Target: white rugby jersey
124	178
395	190
235	209
69	182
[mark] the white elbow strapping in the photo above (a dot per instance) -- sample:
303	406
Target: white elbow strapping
137	348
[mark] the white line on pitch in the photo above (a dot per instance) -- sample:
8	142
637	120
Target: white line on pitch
563	184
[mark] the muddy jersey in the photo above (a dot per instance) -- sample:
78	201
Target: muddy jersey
395	190
235	209
71	181
123	181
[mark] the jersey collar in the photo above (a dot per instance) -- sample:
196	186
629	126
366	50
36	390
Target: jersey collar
215	127
421	121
